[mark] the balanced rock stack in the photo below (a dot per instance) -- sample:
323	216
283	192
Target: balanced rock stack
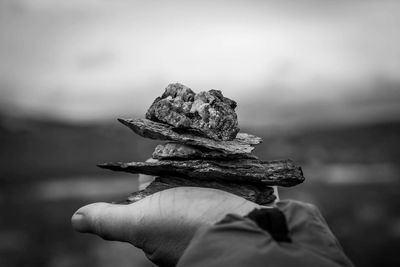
204	148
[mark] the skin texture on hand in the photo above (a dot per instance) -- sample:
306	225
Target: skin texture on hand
162	224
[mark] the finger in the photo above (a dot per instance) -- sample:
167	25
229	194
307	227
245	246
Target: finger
309	228
109	221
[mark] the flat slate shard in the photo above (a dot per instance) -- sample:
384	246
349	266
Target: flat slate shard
260	195
278	172
204	148
185	152
207	113
242	144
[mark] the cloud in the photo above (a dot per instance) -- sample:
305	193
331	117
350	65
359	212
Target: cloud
86	60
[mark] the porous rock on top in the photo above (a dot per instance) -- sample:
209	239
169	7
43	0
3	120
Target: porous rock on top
208	113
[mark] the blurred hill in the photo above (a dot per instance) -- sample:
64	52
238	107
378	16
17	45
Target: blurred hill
352	174
35	149
40	149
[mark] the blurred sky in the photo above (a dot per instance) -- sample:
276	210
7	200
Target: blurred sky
283	61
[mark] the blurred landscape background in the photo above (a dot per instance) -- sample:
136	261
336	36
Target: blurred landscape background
318	80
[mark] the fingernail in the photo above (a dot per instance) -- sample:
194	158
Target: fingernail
79	223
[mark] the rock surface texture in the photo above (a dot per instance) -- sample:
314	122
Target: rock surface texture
278	172
204	149
242	144
206	113
258	194
181	151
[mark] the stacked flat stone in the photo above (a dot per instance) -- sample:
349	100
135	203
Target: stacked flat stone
204	148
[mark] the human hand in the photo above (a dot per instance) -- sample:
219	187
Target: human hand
162	224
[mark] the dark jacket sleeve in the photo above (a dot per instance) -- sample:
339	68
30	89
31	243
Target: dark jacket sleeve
240	241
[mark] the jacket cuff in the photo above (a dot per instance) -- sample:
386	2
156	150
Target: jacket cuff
273	221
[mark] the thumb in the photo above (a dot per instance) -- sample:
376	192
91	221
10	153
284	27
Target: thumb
109	221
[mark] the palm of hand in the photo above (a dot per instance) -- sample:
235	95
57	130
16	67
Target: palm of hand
162	224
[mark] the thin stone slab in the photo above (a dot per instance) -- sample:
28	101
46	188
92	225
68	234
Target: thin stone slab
242	144
259	194
184	152
277	172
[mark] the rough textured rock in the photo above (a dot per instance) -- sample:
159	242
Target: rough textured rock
207	113
261	195
278	172
184	152
242	144
205	148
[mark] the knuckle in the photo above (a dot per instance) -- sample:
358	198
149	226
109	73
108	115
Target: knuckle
101	229
97	222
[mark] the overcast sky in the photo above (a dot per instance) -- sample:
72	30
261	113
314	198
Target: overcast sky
290	61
